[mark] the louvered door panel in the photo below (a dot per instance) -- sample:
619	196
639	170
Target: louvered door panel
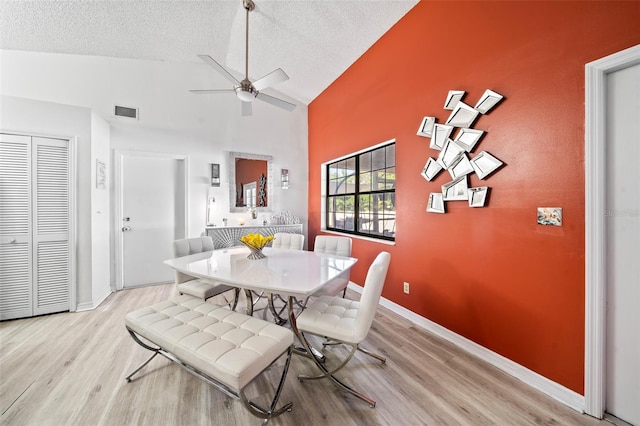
52	273
15	227
52	277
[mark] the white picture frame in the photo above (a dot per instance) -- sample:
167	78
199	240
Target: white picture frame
478	196
439	136
435	204
426	127
431	169
456	190
484	164
453	97
468	138
488	100
462	116
460	166
449	152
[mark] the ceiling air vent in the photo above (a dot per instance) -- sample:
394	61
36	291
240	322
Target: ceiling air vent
121	111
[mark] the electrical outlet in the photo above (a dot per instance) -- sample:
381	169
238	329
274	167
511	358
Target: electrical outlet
406	287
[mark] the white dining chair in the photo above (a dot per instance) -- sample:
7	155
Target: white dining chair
345	321
194	286
339	246
286	240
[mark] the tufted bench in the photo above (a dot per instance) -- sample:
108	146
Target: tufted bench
225	348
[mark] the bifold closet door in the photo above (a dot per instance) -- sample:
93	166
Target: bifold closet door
16	295
50	227
35	258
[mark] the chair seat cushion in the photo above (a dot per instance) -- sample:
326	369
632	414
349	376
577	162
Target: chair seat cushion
228	346
202	289
330	316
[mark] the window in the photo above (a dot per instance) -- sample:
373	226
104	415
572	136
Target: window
361	193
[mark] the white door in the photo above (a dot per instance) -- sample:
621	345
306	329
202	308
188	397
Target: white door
152	215
623	245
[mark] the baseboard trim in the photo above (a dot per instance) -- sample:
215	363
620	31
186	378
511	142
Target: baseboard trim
88	306
554	390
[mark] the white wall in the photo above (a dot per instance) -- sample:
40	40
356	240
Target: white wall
171	119
100	212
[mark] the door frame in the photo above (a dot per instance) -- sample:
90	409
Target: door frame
595	227
119	156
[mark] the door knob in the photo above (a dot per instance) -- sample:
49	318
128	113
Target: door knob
126	228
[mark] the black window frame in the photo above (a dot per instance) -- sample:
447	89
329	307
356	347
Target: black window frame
358	192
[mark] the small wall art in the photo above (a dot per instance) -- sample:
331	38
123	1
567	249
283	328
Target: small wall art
426	127
550	216
101	175
435	203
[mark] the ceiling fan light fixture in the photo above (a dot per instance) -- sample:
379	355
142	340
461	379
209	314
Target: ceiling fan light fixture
246	94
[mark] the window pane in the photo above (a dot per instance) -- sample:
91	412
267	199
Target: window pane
331	204
333	171
365	162
365	182
391	155
390	178
350	166
350	184
364	203
378	159
379	179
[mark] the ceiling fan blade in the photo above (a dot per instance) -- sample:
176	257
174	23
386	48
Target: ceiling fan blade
246	109
271	79
210	91
276	102
212	62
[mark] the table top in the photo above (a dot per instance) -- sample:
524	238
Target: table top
297	273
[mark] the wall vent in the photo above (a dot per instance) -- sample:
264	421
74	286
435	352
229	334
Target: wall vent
121	111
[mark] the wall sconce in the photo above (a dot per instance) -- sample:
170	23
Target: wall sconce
284	178
215	174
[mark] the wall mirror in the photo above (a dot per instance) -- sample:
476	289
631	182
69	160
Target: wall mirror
250	182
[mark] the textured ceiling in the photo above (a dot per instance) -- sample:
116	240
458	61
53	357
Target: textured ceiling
313	41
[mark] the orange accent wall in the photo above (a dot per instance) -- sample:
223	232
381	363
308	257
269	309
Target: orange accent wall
490	274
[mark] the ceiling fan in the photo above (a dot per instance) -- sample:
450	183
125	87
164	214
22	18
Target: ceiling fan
245	90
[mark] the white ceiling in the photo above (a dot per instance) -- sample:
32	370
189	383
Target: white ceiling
313	41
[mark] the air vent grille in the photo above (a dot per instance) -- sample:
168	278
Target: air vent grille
121	111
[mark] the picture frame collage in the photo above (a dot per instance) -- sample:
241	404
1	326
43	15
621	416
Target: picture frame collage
456	139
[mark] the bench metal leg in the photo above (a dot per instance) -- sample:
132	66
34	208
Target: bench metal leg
155	351
271	412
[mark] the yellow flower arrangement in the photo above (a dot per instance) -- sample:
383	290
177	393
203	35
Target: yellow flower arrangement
256	241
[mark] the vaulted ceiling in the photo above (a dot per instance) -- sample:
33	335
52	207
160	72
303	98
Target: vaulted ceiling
313	41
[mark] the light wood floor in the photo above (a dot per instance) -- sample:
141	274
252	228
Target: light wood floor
69	369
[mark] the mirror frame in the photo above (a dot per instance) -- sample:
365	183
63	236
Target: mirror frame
233	156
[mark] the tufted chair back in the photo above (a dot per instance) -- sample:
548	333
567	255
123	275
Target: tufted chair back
285	240
188	246
329	244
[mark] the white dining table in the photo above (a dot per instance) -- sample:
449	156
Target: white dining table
294	274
